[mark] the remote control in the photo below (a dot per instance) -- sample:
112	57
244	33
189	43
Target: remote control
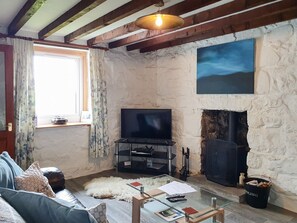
175	196
176	199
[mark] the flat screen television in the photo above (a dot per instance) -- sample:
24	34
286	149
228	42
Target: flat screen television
146	123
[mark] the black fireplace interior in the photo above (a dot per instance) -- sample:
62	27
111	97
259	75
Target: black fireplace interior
224	146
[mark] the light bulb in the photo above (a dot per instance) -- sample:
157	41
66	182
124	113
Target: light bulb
159	20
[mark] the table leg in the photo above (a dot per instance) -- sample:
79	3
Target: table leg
221	215
136	205
138	200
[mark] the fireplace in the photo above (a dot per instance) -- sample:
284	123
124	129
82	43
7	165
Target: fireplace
224	146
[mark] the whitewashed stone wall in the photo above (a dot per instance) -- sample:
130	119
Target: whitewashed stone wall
131	82
67	149
272	110
167	79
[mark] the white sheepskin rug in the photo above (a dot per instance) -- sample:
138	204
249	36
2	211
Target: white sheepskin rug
117	188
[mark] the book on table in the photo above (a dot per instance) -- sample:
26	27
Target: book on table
169	214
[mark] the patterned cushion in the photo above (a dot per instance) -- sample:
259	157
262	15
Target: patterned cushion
33	180
8	214
99	213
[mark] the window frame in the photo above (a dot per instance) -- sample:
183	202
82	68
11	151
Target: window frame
83	55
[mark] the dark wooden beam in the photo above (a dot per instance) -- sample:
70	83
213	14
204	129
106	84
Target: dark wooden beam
227	29
257	13
122	30
53	43
80	9
220	11
111	17
26	12
48	42
177	9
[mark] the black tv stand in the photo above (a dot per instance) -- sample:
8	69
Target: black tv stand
165	142
145	156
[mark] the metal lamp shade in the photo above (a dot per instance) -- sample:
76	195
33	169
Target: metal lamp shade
169	22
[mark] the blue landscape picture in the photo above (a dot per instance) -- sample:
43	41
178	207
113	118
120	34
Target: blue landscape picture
226	68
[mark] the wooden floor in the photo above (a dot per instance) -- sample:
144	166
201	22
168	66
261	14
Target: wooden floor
120	211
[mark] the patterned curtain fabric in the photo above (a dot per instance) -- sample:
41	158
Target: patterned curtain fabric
24	100
98	143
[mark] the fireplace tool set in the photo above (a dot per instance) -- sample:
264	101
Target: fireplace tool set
184	171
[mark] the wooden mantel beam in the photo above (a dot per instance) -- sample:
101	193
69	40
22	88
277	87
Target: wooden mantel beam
226	29
111	17
258	13
80	9
220	11
178	9
26	12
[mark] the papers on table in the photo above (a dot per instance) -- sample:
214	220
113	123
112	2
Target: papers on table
177	188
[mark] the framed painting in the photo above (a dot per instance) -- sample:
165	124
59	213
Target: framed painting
226	68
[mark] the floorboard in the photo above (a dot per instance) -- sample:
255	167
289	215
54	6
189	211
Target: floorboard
120	211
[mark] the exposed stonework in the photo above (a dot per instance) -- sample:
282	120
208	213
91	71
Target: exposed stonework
272	110
67	149
131	82
167	79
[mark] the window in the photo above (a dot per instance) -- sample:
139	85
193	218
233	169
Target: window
61	82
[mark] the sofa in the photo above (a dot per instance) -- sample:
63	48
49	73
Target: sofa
39	195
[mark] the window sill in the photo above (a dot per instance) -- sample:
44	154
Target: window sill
63	125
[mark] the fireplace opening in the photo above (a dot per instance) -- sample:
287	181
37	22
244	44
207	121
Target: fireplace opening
224	146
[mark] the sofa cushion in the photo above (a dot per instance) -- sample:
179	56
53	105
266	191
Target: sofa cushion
36	208
33	180
6	175
16	170
8	214
99	213
66	195
8	171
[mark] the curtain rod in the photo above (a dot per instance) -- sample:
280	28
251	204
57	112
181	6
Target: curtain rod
54	43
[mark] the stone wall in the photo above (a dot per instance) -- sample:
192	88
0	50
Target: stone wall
67	149
131	82
167	79
272	109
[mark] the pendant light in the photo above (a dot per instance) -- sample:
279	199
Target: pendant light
159	21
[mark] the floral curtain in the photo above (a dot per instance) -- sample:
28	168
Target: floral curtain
24	100
98	143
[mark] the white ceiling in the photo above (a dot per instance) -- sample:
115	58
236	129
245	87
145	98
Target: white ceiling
52	9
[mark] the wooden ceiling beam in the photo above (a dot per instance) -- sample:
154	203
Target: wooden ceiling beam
178	9
111	17
257	13
220	11
226	29
80	9
122	30
26	12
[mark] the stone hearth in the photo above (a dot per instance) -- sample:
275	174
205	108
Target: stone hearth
230	193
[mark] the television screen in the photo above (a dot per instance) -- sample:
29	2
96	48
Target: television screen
146	123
